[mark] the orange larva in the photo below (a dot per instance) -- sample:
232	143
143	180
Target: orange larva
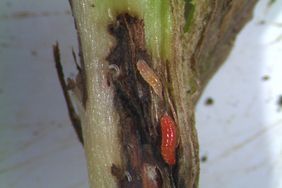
168	144
150	77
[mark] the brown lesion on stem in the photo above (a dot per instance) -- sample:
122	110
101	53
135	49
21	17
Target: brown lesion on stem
139	134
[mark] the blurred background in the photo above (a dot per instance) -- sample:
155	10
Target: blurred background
239	117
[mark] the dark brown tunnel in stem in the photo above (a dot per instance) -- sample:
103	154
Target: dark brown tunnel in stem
143	165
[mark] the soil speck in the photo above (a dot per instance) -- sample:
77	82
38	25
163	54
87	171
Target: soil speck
279	102
209	101
265	78
33	52
204	158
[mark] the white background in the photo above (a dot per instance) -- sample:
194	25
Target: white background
240	133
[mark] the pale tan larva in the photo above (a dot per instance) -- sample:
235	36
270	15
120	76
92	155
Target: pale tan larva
150	77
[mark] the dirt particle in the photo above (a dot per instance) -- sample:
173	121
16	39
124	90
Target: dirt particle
261	22
279	102
204	158
92	5
265	78
33	53
209	101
